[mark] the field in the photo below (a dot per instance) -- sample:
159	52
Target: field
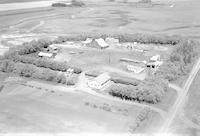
30	109
111	18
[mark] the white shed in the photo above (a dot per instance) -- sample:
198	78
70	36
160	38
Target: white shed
100	82
43	54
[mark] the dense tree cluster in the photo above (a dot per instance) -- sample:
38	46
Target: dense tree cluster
29	70
150	91
180	60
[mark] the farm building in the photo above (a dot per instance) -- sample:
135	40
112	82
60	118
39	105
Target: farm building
100	82
155	58
154	65
135	69
43	54
98	43
102	43
112	41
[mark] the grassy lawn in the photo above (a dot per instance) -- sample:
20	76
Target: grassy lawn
99	58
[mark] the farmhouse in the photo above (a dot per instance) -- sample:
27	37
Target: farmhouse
99	82
43	54
135	69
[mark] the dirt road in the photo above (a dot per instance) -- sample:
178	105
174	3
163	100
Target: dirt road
180	100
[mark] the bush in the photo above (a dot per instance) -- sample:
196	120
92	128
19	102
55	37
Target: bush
142	118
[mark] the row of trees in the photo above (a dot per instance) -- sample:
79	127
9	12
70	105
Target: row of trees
20	55
137	37
45	63
150	91
180	60
29	70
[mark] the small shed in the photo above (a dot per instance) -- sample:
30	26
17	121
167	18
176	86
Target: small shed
100	81
43	54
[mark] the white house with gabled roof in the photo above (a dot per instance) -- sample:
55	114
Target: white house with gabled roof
100	81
